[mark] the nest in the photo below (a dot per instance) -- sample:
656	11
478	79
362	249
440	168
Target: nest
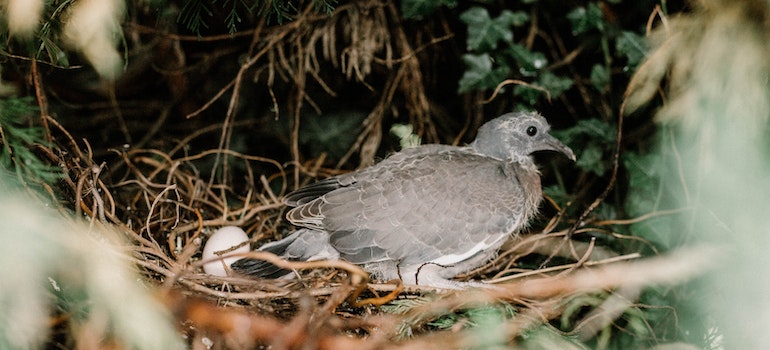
166	209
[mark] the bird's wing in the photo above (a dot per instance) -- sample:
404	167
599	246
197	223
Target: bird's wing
315	190
310	192
419	207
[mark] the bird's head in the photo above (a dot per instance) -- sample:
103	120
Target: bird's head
514	136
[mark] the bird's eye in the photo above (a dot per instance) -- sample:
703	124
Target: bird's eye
531	131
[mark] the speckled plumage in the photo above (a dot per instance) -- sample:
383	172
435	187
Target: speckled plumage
426	213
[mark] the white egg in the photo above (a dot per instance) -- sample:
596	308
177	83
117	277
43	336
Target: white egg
223	239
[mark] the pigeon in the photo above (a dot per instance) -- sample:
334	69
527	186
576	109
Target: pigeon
424	214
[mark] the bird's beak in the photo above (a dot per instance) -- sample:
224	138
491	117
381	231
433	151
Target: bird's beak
553	144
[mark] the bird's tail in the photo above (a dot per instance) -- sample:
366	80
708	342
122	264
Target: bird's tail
262	268
302	245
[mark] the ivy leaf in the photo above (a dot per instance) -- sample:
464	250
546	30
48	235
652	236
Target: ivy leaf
591	159
600	77
585	19
645	176
555	85
333	132
417	9
597	139
517	19
633	47
480	74
557	193
593	129
484	32
405	134
530	62
527	94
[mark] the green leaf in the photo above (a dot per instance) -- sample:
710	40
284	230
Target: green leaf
527	94
333	132
600	77
597	138
484	33
55	53
233	18
480	317
325	6
633	46
17	140
645	176
592	129
557	193
585	19
192	15
480	74
592	159
417	9
530	62
517	19
555	85
404	132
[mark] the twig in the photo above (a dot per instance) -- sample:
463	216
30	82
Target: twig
157	200
641	218
42	101
613	177
517	82
564	267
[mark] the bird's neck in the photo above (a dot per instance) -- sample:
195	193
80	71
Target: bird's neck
529	177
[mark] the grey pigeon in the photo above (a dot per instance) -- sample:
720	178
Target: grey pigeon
424	214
